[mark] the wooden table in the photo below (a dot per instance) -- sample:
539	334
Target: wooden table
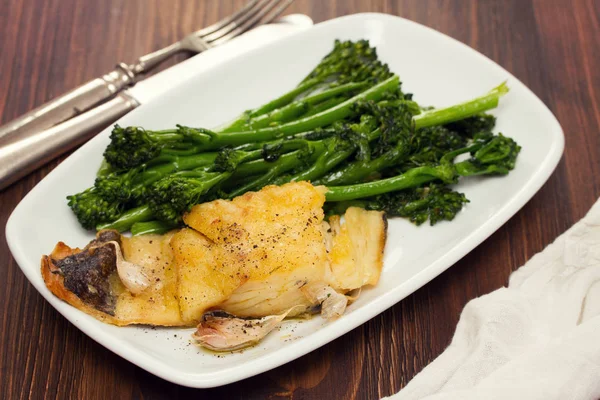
50	46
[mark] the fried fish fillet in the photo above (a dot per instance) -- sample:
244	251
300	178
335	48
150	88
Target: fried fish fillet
262	254
269	243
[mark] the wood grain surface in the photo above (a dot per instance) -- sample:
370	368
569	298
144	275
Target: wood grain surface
50	46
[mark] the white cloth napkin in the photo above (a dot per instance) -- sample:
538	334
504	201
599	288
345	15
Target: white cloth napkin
537	339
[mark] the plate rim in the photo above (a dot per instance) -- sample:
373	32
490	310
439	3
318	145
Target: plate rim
332	331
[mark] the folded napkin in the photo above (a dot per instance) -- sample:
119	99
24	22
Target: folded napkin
539	338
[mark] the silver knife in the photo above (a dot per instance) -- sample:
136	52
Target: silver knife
22	154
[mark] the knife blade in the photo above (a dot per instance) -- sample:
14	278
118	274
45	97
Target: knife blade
23	154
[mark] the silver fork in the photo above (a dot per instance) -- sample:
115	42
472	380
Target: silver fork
97	91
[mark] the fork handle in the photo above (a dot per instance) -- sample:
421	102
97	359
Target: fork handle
21	155
71	103
89	94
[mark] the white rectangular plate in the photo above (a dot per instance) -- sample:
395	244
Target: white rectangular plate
439	70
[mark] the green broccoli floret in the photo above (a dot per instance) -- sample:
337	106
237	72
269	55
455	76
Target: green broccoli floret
434	203
395	127
92	210
154	227
495	155
429	145
228	159
174	195
471	126
119	188
133	146
350	62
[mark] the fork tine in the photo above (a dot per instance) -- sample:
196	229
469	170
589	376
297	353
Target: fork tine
277	12
234	23
227	20
283	4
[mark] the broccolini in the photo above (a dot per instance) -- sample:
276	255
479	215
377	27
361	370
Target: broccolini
348	125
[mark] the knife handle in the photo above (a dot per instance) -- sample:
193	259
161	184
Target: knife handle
20	155
71	103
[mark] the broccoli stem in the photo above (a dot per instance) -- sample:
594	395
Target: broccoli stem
167	135
323	155
151	227
259	166
324	118
329	153
324	105
460	111
410	179
105	168
166	154
279	116
358	170
278	167
334	91
317	150
128	218
176	163
297	108
279	102
286	98
273	150
328	158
